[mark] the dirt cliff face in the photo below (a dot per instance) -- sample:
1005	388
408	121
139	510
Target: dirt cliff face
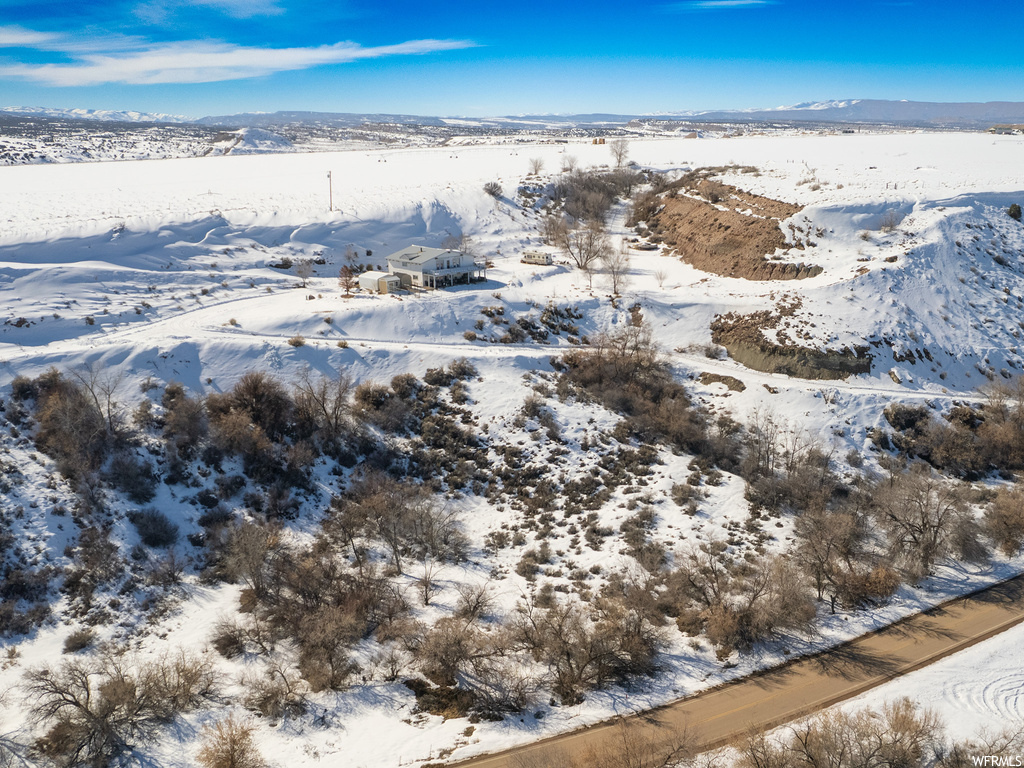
721	229
743	337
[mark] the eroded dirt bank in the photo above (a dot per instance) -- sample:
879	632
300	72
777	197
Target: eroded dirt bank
722	229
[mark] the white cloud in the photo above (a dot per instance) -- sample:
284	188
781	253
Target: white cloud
19	37
714	5
159	11
200	61
243	9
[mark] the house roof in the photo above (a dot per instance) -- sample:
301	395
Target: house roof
418	254
374	275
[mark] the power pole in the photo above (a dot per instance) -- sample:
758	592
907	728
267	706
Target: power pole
330	192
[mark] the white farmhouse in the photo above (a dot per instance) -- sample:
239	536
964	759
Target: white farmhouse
421	267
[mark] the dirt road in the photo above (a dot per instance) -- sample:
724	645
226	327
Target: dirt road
781	694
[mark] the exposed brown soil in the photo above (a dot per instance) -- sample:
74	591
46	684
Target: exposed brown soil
725	714
743	338
722	229
731	382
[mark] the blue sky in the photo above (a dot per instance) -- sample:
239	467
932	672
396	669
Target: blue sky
530	56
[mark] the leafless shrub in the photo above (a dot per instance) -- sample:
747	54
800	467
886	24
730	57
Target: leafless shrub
500	684
184	417
536	165
229	743
154	527
402	516
324	403
134	477
635	746
252	553
325	639
919	513
962	754
902	735
277	693
585	647
830	545
79	640
72	428
626	372
102	386
493	189
1004	520
379	405
265	400
93	721
475	601
738	602
890	220
447	648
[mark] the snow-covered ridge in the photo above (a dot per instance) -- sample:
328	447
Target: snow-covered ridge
119	116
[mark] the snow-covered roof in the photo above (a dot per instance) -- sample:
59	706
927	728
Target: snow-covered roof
418	254
375	275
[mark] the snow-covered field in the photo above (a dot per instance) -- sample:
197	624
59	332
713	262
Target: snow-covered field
978	689
162	269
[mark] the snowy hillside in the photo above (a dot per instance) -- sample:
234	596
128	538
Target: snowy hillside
135	275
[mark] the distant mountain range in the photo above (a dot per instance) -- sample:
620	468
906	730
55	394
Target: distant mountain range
875	111
113	116
851	111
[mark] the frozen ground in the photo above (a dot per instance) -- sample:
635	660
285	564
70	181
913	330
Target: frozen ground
163	269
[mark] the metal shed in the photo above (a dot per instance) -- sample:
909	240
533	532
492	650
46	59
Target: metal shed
379	282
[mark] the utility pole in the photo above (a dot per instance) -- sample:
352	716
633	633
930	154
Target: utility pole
330	191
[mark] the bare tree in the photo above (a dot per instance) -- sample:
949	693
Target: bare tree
102	385
462	242
620	151
347	280
584	245
829	545
569	163
304	270
96	713
325	401
405	518
920	513
252	552
427	583
536	165
660	276
616	267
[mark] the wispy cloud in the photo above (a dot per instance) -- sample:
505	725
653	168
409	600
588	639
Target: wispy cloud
159	11
190	61
19	37
715	5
